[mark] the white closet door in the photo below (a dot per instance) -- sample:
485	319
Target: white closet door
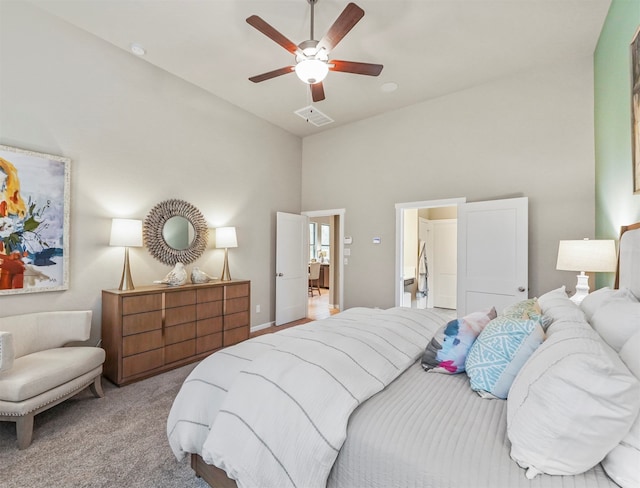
445	263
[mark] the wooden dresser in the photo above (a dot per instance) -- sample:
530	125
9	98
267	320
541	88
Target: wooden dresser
156	328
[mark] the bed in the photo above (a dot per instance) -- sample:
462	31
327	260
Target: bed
346	403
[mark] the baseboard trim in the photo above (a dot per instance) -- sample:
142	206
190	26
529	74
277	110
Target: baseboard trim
266	325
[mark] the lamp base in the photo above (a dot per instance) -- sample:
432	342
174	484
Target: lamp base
582	288
126	282
225	276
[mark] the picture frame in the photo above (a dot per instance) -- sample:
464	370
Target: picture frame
34	221
635	110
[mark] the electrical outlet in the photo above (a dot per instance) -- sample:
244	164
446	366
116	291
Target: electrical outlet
257	308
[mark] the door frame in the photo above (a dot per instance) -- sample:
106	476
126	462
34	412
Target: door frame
336	255
400	207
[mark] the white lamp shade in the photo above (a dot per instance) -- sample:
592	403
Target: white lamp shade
587	255
226	237
126	233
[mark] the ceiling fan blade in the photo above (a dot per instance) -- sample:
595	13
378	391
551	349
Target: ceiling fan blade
349	17
272	74
357	68
272	34
317	92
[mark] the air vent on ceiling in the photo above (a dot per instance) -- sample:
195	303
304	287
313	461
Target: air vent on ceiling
313	116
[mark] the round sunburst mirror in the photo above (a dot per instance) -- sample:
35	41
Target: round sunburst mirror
175	231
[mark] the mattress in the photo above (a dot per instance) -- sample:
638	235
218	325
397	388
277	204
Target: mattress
430	430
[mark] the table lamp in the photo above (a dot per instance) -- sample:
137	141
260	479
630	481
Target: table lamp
597	256
226	238
126	233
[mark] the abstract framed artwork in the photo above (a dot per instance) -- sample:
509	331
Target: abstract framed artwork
635	110
34	221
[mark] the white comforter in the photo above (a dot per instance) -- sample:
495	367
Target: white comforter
273	411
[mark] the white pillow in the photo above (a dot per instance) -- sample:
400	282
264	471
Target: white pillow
557	305
571	403
593	301
7	352
617	321
622	464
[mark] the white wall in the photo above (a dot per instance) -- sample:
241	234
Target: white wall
528	135
136	136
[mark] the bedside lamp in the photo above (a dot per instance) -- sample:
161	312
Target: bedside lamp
226	238
597	256
126	233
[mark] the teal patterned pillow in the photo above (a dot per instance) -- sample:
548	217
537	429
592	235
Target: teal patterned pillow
499	352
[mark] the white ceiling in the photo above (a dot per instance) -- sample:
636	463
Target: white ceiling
428	47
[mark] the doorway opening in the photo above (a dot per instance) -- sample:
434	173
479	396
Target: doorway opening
326	230
426	256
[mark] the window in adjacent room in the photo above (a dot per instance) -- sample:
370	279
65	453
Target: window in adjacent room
325	241
312	240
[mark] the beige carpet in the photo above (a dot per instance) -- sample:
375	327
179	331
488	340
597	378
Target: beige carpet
116	441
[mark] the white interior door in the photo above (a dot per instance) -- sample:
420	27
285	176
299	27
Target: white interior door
492	254
292	260
445	263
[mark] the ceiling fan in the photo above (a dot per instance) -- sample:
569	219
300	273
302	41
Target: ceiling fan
312	61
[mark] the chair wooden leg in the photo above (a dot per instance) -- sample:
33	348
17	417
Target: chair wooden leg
96	387
24	430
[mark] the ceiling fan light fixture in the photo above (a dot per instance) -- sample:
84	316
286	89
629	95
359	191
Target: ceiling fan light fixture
312	70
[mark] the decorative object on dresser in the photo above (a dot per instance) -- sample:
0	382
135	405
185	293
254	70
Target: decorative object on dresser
175	231
598	256
126	233
226	238
199	276
34	221
176	277
154	328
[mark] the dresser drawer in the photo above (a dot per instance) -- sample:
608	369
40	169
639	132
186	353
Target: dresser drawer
179	298
234	305
209	326
209	309
235	291
209	343
137	343
179	315
139	363
210	294
181	350
142	303
141	322
233	336
235	320
179	333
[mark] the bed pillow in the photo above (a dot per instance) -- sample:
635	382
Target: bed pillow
571	380
557	305
499	352
622	463
528	309
523	308
447	350
597	299
617	321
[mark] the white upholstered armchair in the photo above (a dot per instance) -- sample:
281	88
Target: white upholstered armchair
37	371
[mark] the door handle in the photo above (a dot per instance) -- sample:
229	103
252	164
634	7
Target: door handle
278	275
521	288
